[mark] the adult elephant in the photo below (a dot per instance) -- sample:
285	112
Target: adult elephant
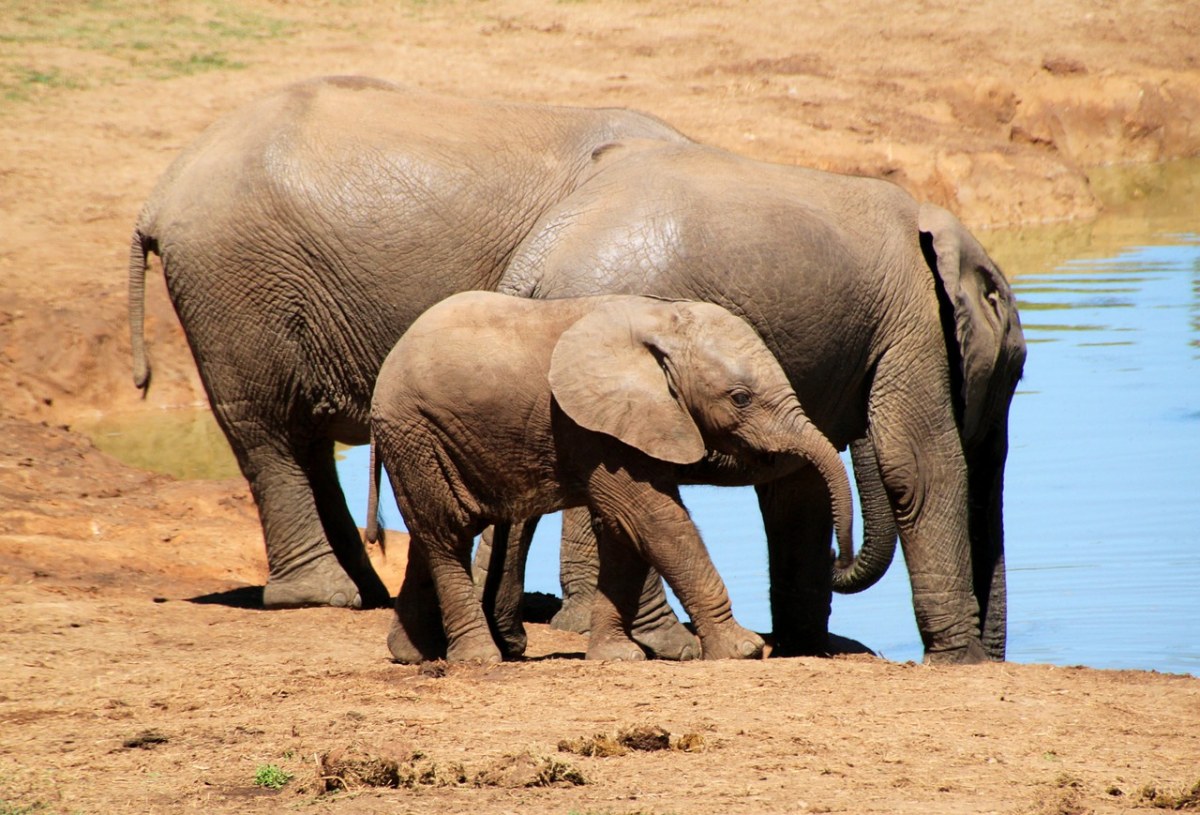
895	328
297	247
301	235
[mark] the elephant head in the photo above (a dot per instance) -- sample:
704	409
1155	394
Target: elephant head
679	378
986	355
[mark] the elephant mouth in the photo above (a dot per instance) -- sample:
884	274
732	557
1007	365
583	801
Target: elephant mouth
730	470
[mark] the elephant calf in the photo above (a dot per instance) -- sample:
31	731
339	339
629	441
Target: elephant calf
492	409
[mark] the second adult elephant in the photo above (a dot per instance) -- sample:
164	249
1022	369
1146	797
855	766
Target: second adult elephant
917	356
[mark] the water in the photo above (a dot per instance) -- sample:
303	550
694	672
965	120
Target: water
1102	497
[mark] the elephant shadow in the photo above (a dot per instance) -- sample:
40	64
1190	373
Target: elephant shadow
250	597
539	607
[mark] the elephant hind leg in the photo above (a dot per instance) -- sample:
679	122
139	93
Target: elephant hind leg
416	634
578	569
622	571
340	529
499	574
303	569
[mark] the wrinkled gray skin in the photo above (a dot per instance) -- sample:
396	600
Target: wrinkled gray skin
298	247
301	235
918	356
493	409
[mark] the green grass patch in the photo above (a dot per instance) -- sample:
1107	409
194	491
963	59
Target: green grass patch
20	809
47	47
271	776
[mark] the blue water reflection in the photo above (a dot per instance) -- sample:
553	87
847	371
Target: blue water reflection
1102	499
1102	495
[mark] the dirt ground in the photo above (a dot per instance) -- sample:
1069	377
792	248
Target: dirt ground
137	673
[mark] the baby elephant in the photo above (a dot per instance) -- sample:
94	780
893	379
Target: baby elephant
492	409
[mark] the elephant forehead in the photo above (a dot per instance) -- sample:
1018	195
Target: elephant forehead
718	330
726	359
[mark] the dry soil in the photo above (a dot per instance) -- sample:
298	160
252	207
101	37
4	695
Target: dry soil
137	673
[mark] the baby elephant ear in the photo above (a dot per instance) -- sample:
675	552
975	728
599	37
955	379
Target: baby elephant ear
610	373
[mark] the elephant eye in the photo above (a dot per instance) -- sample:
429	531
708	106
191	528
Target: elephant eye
740	398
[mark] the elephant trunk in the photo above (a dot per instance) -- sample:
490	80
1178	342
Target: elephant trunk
879	527
139	248
812	445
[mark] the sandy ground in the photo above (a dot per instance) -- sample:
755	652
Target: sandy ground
137	673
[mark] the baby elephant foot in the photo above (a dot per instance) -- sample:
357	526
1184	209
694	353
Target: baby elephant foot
670	641
322	582
614	649
732	642
412	644
473	647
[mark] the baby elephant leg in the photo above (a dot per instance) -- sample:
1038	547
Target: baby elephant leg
656	628
416	634
621	576
667	538
437	612
468	635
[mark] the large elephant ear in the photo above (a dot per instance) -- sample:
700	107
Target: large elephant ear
612	372
981	302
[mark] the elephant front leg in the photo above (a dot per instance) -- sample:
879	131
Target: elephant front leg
658	526
799	526
925	475
985	468
655	626
340	529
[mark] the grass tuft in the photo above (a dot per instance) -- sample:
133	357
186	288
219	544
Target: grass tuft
46	49
271	776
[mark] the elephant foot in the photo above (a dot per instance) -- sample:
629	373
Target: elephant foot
973	653
473	647
669	641
413	641
810	644
614	649
732	641
575	615
322	582
512	643
373	592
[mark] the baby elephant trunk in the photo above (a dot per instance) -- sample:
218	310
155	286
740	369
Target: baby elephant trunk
810	444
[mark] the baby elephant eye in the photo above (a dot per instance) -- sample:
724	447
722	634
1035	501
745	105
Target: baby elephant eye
740	398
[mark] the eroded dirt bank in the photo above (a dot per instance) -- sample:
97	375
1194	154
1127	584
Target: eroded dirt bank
136	673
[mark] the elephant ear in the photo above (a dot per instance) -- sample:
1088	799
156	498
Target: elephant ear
612	372
981	309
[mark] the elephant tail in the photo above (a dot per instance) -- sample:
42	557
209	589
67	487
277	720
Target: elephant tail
879	526
140	247
374	531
